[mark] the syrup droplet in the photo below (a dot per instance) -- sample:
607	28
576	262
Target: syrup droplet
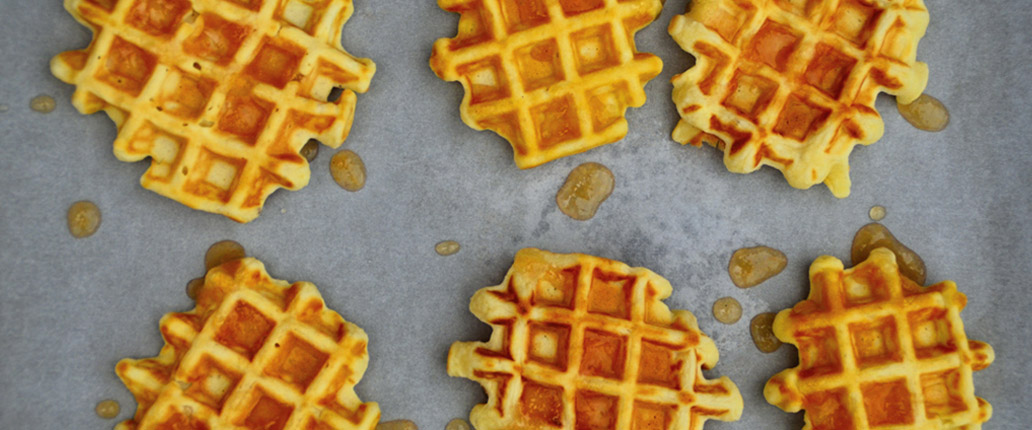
926	113
397	425
43	103
875	235
348	170
877	213
107	409
762	329
457	424
447	247
587	186
194	287
222	252
749	267
83	219
727	310
310	150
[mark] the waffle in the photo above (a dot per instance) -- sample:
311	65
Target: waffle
553	77
582	342
878	351
791	84
220	94
255	353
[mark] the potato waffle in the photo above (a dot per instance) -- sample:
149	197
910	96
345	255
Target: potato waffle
582	342
876	350
220	94
792	83
553	77
255	353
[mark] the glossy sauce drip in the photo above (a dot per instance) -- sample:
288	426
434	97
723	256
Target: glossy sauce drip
926	113
107	409
875	235
762	329
397	425
587	186
877	213
447	247
310	150
83	219
222	252
727	310
749	267
194	287
457	424
43	104
348	170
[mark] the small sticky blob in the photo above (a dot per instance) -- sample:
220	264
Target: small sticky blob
587	186
727	310
222	252
43	103
457	424
749	267
397	425
874	235
926	113
107	409
83	219
348	170
310	150
447	247
762	329
193	287
877	213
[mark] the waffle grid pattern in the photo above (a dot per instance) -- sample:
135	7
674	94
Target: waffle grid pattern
792	83
553	77
583	342
254	354
878	351
220	94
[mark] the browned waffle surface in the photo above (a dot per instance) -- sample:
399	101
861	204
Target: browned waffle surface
553	77
877	350
220	94
581	342
792	84
256	353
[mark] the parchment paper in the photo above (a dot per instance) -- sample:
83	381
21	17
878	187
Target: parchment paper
70	309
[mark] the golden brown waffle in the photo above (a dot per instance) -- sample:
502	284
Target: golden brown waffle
792	83
220	94
876	350
553	77
586	343
256	353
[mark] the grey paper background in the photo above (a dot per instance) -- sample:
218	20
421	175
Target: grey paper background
69	309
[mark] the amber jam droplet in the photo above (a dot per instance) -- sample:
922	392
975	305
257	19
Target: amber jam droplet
926	113
83	219
348	170
447	247
749	267
457	424
397	425
194	287
310	150
43	104
222	252
107	409
875	235
877	213
587	186
727	310
762	329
